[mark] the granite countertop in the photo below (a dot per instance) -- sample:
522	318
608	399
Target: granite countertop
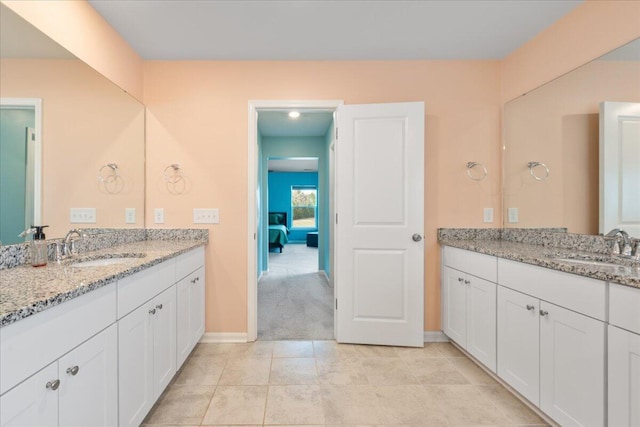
626	273
26	290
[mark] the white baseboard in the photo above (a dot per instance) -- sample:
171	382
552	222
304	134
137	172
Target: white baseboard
324	273
435	336
223	337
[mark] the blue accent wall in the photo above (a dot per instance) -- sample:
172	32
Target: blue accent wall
280	184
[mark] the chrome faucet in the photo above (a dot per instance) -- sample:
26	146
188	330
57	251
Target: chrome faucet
626	248
68	247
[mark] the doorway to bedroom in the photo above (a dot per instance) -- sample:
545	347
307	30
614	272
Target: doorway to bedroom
295	296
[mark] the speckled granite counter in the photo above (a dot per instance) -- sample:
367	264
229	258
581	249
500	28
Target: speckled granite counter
627	273
25	290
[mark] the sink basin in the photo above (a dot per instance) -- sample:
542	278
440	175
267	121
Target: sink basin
106	261
595	263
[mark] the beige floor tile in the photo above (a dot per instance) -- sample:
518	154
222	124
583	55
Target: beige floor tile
237	405
407	405
331	349
293	349
293	371
436	371
341	371
427	352
375	351
448	350
353	404
260	349
387	371
471	371
227	351
464	405
246	371
294	404
182	405
516	411
201	370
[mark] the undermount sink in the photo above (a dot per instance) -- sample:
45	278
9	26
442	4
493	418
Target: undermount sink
106	261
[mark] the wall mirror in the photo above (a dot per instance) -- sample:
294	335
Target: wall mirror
83	149
551	140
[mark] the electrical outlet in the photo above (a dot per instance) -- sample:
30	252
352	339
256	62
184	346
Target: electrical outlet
82	216
512	215
206	216
158	215
488	215
129	215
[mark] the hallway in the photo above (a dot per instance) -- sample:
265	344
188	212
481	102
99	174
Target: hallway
294	299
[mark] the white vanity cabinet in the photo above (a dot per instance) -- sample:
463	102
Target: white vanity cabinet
146	342
469	303
59	367
624	356
190	302
553	355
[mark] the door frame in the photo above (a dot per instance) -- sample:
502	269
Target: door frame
252	175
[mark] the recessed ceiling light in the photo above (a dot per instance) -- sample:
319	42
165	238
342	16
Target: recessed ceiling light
294	114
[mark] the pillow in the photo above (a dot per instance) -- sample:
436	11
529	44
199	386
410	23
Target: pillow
276	219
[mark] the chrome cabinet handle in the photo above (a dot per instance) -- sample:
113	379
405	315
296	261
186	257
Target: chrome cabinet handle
194	280
159	306
416	237
73	370
466	282
152	311
460	279
53	385
531	307
543	313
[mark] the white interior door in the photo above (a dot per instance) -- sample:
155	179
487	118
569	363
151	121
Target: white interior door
380	211
620	166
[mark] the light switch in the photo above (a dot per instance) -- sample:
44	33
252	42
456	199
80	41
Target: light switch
512	215
82	216
158	215
488	215
206	216
130	215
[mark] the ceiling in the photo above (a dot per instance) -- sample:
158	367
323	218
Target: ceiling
329	29
294	164
310	123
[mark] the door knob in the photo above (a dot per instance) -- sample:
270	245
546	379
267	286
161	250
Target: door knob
416	237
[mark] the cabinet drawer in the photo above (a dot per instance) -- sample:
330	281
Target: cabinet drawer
624	307
135	290
189	262
479	265
32	343
577	293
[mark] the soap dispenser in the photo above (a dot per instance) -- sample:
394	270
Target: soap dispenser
39	253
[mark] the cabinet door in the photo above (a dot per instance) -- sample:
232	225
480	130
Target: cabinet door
89	384
196	308
572	366
481	321
183	338
624	378
164	340
454	315
31	403
135	365
519	342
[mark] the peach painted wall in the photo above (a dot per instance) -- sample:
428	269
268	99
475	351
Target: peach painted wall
558	124
586	33
87	121
197	115
77	27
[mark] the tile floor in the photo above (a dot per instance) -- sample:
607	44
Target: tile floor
322	383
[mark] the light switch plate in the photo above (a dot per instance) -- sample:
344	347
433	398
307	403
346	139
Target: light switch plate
488	215
512	215
158	215
206	216
82	216
129	215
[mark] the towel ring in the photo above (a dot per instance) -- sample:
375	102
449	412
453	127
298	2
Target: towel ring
533	165
471	166
174	179
108	173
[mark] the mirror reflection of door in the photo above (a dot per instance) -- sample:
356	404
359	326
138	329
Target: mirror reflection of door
17	172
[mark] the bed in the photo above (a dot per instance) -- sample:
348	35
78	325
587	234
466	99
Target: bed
278	230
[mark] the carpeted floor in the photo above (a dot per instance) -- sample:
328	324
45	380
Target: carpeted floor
294	299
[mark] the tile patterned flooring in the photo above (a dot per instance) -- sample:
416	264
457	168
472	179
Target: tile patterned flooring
322	383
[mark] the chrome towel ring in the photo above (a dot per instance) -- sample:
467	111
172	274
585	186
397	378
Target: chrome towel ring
174	179
476	171
533	165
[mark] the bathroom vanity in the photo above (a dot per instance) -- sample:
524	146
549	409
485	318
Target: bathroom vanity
98	345
564	335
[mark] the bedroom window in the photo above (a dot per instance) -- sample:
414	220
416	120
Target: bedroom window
304	205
